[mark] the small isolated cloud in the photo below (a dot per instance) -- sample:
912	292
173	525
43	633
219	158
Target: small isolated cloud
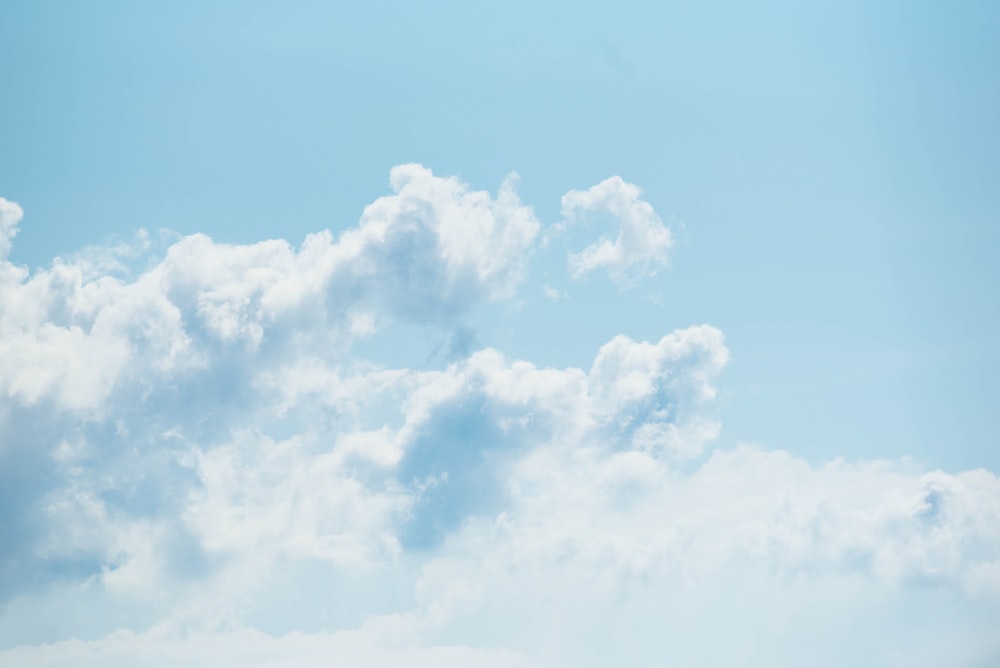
554	294
642	242
10	216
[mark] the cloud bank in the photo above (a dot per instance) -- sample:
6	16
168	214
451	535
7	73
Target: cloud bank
197	467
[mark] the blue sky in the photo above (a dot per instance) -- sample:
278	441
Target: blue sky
806	220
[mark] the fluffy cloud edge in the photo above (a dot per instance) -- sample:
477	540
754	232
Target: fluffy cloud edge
581	491
642	243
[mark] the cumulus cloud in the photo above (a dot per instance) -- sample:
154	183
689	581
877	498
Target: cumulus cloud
427	254
10	216
437	247
197	468
642	242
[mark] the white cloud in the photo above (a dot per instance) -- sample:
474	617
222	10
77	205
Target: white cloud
10	216
554	294
427	253
435	248
642	243
195	468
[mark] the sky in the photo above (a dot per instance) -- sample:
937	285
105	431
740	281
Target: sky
649	335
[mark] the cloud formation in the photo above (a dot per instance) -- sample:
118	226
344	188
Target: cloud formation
197	467
642	242
10	216
426	253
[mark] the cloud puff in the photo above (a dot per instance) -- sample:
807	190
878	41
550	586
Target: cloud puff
10	216
643	240
196	467
437	247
